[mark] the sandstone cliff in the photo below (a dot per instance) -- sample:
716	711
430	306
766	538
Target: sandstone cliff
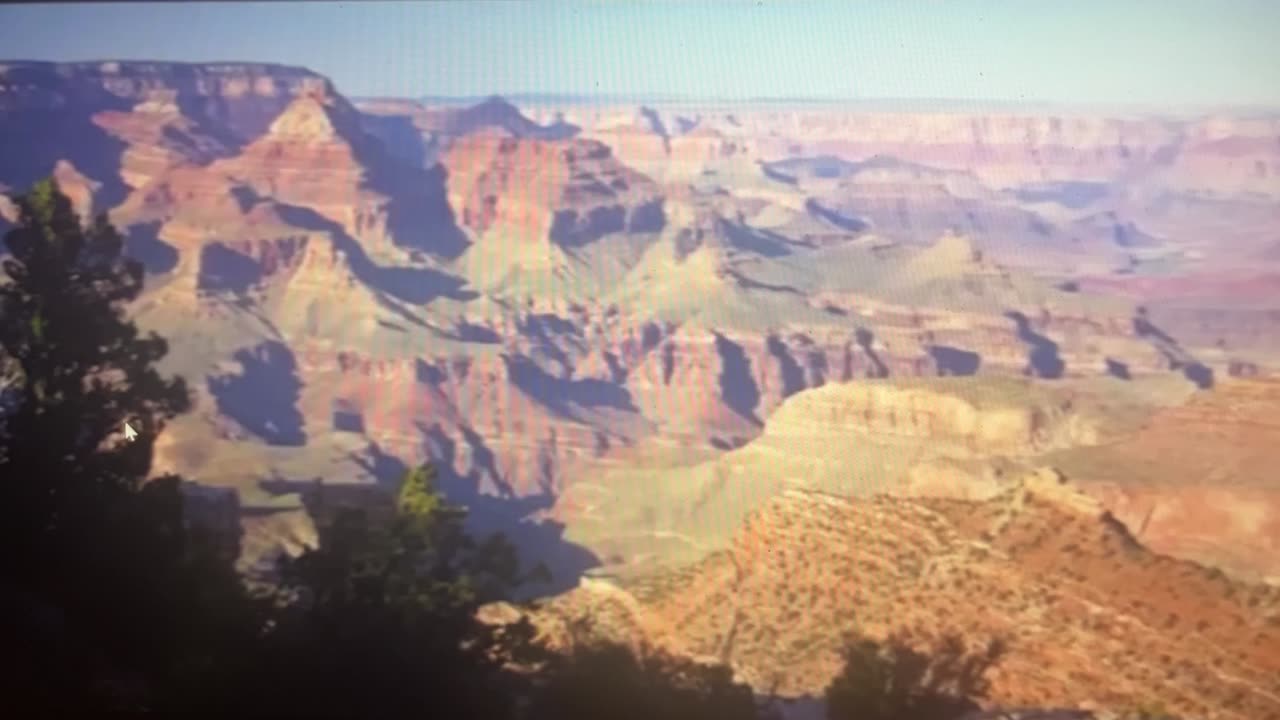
1197	480
124	123
245	97
570	192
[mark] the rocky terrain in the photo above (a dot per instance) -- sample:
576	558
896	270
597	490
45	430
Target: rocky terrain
1092	618
649	338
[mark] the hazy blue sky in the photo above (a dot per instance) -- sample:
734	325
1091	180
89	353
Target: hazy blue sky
1155	51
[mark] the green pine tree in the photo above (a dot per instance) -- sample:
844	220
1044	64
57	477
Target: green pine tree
380	618
109	599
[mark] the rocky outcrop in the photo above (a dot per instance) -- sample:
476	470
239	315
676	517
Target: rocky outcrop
314	155
243	97
668	155
493	113
78	188
499	420
123	124
686	383
571	192
420	132
223	236
1067	586
159	136
1212	500
1227	157
987	421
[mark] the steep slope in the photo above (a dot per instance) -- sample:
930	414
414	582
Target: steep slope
697	262
160	134
1090	616
122	123
420	132
540	209
1240	155
493	113
315	155
1213	500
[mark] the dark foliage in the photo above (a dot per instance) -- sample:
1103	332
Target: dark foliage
892	681
607	680
380	619
108	597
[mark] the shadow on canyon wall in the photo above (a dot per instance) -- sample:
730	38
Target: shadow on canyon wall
1118	369
865	339
572	229
564	396
142	243
548	332
416	286
1178	358
263	397
539	540
793	380
399	137
1072	194
419	214
33	140
1043	360
955	361
738	387
850	224
225	270
761	242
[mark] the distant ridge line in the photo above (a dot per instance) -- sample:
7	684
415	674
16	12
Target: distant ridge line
661	99
886	103
140	63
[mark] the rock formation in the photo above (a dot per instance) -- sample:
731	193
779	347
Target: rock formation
1077	599
570	192
1212	500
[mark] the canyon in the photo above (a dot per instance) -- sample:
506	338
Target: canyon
723	366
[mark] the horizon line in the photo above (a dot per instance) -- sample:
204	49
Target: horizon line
575	97
641	97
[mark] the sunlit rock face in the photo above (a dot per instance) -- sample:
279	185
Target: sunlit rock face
1048	559
571	192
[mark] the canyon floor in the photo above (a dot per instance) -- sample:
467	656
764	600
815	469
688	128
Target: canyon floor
743	375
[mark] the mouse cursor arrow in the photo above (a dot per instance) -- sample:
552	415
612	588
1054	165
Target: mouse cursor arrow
129	433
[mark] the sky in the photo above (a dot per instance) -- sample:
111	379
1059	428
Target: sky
1160	52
